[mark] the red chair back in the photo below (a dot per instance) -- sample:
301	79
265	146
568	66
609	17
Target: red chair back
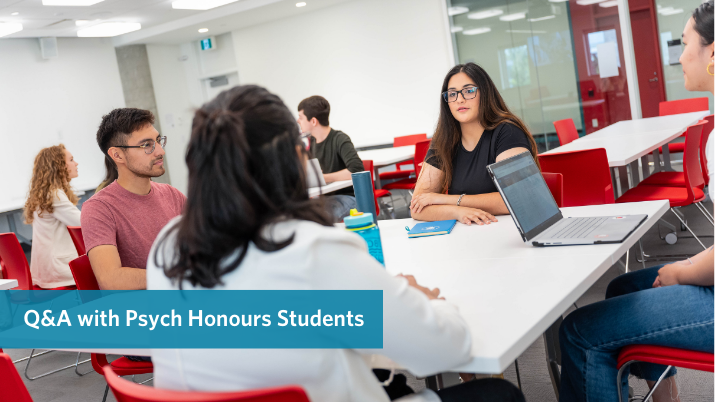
555	181
84	278
683	106
368	165
566	131
707	129
14	263
408	140
691	159
421	149
586	176
13	389
77	239
127	391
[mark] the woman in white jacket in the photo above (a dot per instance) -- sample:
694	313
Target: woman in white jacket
249	224
52	206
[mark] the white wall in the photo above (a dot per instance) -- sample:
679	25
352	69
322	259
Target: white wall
379	63
45	102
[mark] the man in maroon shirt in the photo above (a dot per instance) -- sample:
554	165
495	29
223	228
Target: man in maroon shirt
121	221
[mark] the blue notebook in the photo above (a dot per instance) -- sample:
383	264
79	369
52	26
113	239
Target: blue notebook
432	228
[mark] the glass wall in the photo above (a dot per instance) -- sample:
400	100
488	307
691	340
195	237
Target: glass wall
546	69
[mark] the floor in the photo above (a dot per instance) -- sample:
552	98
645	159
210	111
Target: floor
66	386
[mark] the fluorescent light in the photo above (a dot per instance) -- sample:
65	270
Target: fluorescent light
301	4
7	28
75	3
457	10
199	4
525	31
15	13
79	23
548	17
607	4
106	29
457	29
670	11
588	2
202	30
476	31
513	17
484	14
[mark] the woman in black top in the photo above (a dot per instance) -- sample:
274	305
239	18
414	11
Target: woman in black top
475	129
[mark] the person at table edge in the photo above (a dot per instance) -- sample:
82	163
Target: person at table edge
475	129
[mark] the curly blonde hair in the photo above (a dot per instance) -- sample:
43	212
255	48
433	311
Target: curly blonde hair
48	175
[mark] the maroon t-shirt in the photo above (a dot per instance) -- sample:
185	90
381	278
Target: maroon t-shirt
129	221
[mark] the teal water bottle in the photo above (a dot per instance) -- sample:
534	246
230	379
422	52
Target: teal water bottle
363	225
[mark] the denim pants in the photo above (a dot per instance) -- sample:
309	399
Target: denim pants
340	206
633	313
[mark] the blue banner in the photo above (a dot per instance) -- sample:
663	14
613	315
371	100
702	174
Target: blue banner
277	319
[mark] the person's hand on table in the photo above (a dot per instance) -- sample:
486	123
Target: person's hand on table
431	294
668	275
426	199
468	215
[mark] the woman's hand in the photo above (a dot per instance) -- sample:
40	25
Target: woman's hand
425	199
468	215
668	275
431	294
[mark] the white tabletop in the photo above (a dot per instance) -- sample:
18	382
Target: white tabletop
388	156
629	140
8	284
329	188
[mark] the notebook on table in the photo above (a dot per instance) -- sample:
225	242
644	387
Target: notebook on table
437	228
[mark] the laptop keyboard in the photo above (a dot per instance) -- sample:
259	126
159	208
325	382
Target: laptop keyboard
579	228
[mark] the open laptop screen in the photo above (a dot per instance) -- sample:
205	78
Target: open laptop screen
526	194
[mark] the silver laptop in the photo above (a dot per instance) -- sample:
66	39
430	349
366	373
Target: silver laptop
539	219
315	174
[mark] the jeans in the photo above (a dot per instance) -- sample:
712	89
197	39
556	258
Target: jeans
340	206
633	313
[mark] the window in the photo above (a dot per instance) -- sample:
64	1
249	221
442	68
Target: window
514	66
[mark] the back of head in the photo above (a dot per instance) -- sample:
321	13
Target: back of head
49	173
116	127
318	107
246	171
703	18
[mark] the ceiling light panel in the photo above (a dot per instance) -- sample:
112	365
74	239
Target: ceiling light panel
73	3
301	4
476	31
108	29
480	15
548	17
608	4
588	2
457	10
457	29
670	11
199	4
9	28
513	17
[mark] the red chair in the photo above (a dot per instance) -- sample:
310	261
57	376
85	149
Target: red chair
379	193
678	196
421	149
555	181
566	131
681	106
586	176
13	389
77	239
400	173
670	357
127	391
86	280
707	130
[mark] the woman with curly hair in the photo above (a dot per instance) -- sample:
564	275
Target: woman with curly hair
52	206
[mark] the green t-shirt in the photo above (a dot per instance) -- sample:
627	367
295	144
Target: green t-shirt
336	153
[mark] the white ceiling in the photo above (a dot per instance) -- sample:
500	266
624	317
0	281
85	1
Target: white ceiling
160	23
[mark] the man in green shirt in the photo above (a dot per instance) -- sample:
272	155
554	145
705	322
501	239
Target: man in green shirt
333	149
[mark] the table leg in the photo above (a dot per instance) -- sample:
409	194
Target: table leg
666	159
376	174
635	175
645	167
623	178
613	181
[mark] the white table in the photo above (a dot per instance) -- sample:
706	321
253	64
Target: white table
628	141
329	188
6	284
386	157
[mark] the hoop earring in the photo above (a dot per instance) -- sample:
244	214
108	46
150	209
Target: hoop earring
708	69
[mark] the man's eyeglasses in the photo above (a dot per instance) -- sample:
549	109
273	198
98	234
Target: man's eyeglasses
148	145
467	93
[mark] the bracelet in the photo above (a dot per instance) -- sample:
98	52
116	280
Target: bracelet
460	199
691	261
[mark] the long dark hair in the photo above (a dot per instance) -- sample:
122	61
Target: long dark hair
492	112
244	174
703	18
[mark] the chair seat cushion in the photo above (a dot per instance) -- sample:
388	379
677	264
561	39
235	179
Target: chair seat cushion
678	196
667	179
396	174
125	364
404	184
675	147
381	193
702	361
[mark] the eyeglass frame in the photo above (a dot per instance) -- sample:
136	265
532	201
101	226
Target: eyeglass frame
445	93
153	146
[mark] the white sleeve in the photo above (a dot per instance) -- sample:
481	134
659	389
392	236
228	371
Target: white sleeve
64	210
424	336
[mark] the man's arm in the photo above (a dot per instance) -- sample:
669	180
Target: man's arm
338	176
110	273
349	155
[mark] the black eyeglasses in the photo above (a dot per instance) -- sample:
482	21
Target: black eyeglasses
148	145
467	93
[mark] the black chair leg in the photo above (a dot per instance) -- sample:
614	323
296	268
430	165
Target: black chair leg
106	391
